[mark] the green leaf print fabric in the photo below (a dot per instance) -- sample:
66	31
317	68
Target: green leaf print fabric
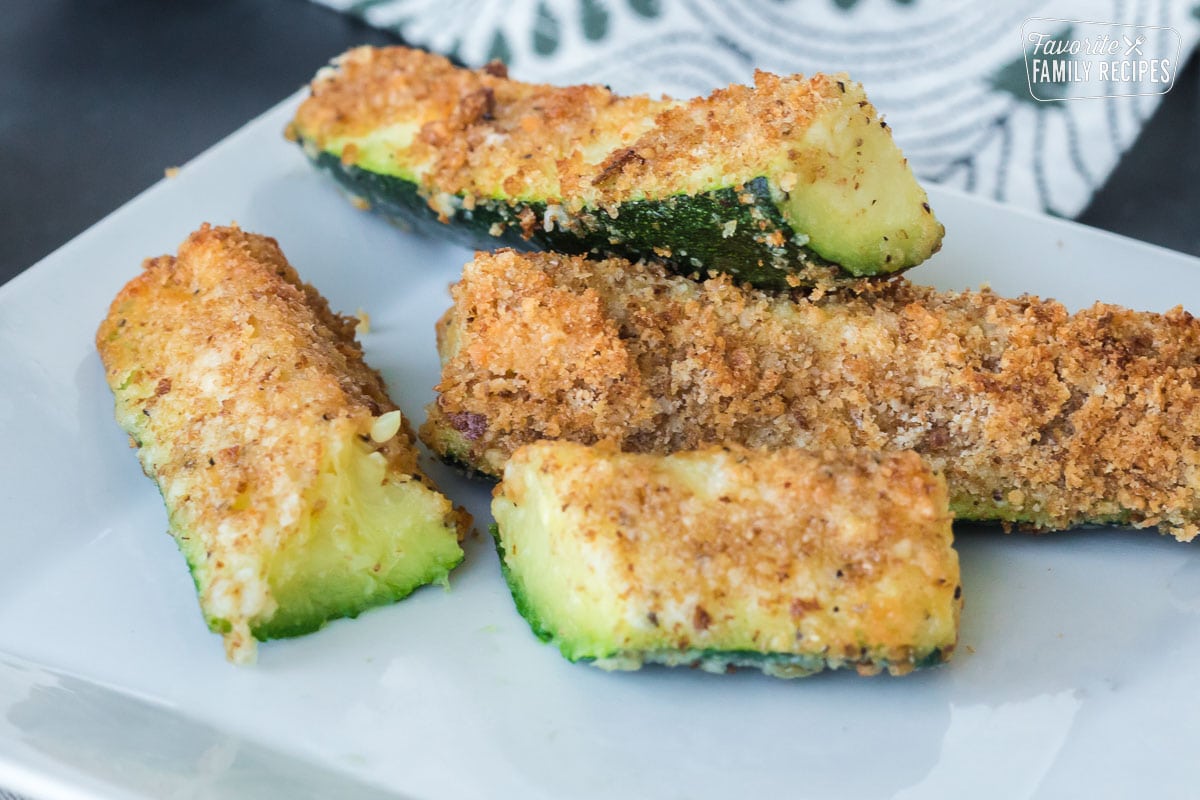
950	75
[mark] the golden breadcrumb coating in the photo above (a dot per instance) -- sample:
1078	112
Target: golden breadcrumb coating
842	558
1034	415
235	379
480	134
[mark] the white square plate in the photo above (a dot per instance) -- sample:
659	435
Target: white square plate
1073	677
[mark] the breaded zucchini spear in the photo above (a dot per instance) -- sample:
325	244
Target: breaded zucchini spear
290	479
1034	415
787	561
789	181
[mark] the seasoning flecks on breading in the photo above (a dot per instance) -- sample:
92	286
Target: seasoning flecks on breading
473	132
1035	416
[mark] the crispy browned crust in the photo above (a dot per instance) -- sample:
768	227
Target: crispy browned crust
233	376
214	315
481	132
845	556
1034	415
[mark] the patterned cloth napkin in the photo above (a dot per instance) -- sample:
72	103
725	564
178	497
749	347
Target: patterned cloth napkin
951	77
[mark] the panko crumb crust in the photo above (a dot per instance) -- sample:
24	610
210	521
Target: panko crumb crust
233	378
836	558
1034	415
482	134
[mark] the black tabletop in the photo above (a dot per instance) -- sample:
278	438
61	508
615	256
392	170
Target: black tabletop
97	98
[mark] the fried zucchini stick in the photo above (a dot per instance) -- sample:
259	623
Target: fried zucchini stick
1035	416
786	561
790	181
290	479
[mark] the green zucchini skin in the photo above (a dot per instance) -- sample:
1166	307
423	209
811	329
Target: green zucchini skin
724	230
524	607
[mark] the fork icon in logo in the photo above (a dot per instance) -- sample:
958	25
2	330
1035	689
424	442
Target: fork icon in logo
1132	45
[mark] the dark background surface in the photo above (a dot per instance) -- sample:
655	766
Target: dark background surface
97	98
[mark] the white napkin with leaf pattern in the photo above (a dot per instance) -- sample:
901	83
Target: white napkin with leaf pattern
951	77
